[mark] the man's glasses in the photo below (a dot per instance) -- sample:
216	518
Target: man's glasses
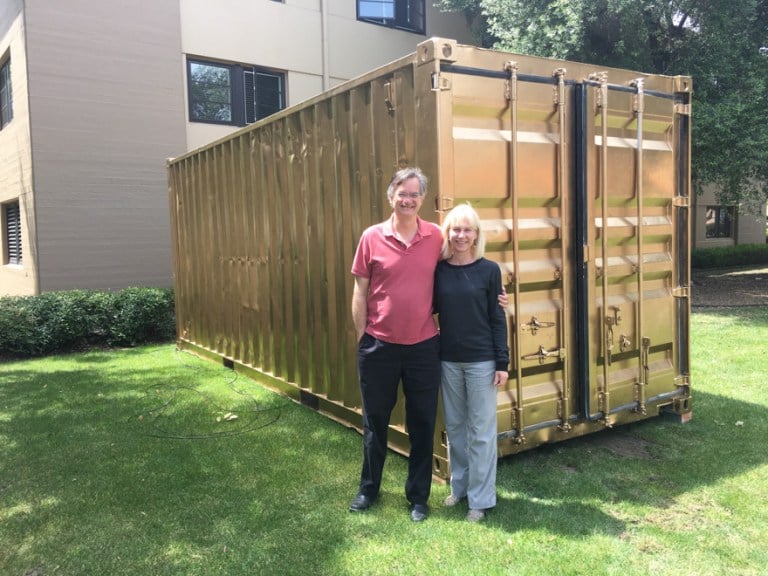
411	195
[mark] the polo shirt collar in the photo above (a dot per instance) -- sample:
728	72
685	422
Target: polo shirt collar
421	230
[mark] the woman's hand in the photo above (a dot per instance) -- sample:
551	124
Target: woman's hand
500	378
503	298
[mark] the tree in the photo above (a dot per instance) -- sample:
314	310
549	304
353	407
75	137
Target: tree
723	44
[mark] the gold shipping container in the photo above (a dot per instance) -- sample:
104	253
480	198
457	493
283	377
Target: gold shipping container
581	176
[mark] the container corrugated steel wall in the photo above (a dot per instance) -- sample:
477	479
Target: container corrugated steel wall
581	178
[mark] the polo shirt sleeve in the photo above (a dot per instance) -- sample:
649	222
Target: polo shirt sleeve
361	265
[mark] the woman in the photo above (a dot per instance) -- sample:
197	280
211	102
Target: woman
475	358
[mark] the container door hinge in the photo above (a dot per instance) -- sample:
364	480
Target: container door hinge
681	202
683	381
681	292
683	109
444	203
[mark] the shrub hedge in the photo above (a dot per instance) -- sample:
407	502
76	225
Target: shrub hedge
77	319
725	256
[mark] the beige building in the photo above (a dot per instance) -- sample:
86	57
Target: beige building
716	224
96	94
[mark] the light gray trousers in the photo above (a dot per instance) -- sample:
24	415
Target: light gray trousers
469	405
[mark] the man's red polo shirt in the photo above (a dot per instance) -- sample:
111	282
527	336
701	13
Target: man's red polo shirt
401	279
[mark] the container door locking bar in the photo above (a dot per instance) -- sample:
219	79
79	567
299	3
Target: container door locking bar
601	79
642	368
510	95
564	404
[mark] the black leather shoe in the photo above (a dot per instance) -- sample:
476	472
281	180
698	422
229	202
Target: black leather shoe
419	512
360	503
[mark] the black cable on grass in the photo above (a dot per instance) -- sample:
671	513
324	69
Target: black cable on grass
230	380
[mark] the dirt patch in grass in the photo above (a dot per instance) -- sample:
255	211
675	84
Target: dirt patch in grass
730	287
623	445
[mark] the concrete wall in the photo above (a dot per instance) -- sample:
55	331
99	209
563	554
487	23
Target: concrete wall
319	43
106	103
16	155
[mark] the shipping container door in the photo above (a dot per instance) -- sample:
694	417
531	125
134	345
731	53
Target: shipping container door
578	182
631	308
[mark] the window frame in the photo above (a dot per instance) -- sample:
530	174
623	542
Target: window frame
401	19
13	254
245	104
723	216
6	92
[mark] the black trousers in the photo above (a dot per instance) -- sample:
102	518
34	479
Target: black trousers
382	366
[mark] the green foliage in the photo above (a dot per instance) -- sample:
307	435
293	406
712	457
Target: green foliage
142	315
62	321
722	44
539	27
727	256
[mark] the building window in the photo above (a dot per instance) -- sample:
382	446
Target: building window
12	233
6	93
720	221
401	14
233	94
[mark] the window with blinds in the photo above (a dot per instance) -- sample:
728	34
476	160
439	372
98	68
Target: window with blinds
12	233
233	94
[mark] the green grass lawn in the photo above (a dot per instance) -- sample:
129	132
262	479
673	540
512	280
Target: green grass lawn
129	462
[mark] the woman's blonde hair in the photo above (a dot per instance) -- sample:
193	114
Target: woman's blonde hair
461	215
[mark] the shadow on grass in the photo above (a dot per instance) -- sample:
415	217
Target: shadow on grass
650	463
564	517
574	487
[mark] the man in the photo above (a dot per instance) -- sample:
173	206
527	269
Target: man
394	270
